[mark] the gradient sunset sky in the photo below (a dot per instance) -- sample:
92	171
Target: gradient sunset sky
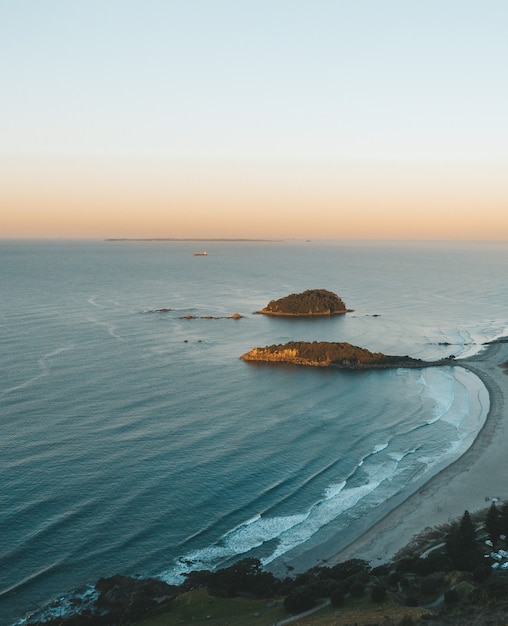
375	119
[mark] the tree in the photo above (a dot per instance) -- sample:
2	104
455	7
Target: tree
352	567
461	544
493	523
245	576
300	599
503	521
467	532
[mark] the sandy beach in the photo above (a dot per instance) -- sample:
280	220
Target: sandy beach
469	483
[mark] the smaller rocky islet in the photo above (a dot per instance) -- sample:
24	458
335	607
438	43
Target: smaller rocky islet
309	303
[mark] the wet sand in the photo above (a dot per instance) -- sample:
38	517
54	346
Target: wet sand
469	483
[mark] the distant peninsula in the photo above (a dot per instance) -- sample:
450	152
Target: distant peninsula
192	239
310	303
331	354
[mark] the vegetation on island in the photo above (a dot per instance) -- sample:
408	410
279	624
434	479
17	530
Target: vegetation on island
455	574
313	302
326	353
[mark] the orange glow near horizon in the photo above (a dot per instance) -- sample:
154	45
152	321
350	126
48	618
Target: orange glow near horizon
329	200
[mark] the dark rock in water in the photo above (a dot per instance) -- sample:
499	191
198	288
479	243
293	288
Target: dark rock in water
122	593
235	316
121	600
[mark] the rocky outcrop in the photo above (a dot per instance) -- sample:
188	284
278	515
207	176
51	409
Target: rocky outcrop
330	354
235	316
120	600
310	303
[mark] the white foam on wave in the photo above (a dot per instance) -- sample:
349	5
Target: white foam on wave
44	370
290	531
334	490
110	327
468	340
460	399
439	386
330	509
467	415
62	608
377	448
482	334
253	519
461	341
399	456
238	541
92	300
471	406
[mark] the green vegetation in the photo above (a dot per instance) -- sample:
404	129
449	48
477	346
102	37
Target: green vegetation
326	353
444	577
496	523
200	607
448	575
307	304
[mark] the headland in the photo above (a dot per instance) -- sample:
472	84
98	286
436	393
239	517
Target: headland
334	354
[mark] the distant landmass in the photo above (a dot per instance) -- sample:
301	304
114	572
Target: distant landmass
189	239
331	354
310	303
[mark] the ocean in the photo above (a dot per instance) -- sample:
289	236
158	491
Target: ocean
135	440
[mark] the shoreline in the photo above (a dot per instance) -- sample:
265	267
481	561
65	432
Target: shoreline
470	482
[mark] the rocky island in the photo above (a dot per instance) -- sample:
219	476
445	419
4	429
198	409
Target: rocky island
310	303
332	354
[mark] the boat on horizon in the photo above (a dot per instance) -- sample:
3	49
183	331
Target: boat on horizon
200	253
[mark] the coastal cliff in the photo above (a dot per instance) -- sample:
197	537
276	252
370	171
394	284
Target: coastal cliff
331	354
310	303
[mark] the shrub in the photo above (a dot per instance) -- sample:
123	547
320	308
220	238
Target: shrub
451	597
337	597
357	589
431	584
327	586
353	567
481	573
300	599
245	576
378	593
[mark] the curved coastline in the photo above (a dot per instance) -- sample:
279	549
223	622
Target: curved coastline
469	482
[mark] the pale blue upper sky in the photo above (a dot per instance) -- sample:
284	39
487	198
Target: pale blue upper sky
236	78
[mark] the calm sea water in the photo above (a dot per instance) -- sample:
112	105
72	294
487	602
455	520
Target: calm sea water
136	441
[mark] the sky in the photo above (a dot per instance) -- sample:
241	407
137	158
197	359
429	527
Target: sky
349	119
